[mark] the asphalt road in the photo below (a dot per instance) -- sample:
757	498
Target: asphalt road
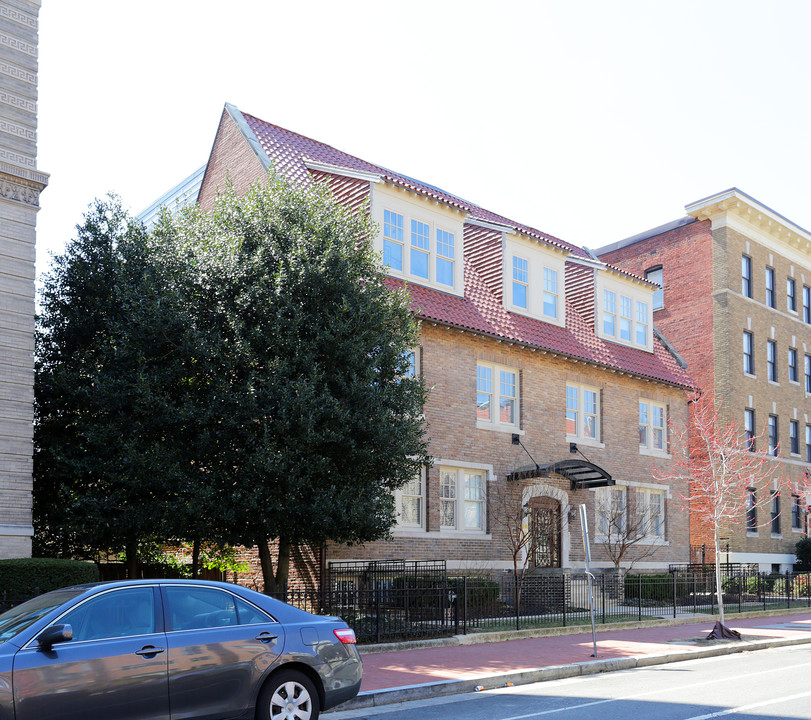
770	684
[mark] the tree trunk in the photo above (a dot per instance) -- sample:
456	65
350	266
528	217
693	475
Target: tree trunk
283	564
195	558
131	551
718	589
266	561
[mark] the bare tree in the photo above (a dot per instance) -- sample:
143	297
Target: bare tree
728	478
508	522
624	523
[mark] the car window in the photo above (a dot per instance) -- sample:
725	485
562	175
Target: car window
247	614
14	621
191	608
118	613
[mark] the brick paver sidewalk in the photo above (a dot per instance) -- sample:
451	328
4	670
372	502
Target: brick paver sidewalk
400	668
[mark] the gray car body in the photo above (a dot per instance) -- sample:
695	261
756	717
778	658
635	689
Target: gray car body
302	641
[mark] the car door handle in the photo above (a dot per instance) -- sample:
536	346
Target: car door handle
149	650
266	637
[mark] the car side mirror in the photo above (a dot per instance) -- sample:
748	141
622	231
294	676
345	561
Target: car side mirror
54	634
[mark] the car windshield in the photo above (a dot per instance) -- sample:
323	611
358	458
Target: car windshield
17	619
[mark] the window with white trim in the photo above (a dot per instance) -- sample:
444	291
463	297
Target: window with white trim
462	499
656	275
393	240
445	254
420	246
652	426
748	353
582	413
791	294
624	312
497	393
410	504
550	292
651	506
533	282
612	511
418	239
520	281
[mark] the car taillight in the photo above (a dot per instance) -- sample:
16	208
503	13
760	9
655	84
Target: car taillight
346	636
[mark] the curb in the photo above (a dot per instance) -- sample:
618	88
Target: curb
423	691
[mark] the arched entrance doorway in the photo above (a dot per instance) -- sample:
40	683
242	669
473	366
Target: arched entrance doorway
545	532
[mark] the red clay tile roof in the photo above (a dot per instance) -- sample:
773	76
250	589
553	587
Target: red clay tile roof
289	152
479	310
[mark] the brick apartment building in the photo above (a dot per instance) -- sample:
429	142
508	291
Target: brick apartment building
531	381
736	303
20	187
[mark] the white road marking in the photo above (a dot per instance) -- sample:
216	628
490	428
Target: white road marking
648	693
745	708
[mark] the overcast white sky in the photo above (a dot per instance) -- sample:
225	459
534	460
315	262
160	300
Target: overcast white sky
591	120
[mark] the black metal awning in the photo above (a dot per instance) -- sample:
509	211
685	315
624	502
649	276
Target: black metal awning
581	473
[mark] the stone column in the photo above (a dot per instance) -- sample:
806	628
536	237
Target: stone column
20	187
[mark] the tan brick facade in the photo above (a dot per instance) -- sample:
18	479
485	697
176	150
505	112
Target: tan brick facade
20	186
449	360
705	315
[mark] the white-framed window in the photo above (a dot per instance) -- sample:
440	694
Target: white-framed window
626	317
410	503
656	275
412	357
652	427
462	499
520	282
393	240
445	254
652	509
420	248
612	511
418	240
497	397
609	313
624	312
550	292
641	323
534	279
582	413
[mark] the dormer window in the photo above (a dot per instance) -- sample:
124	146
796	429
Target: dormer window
624	313
533	280
419	240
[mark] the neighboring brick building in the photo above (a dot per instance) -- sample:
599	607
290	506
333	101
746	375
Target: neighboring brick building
736	304
520	360
20	187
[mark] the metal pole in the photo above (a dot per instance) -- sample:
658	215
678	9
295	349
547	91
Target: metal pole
585	527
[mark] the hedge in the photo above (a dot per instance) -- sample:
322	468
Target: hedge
21	576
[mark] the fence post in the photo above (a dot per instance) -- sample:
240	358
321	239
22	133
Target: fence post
639	595
564	601
788	587
602	592
713	591
464	606
741	581
674	595
377	611
456	606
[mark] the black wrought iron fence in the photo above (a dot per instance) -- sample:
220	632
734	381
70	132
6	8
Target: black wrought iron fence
401	606
460	605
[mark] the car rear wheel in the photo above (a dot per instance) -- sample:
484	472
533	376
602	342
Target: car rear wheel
288	695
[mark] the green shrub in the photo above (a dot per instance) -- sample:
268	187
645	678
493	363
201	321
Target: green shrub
803	552
21	576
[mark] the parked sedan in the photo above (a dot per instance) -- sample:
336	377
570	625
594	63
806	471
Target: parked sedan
161	649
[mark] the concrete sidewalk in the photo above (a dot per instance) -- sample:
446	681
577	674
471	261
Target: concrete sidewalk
464	663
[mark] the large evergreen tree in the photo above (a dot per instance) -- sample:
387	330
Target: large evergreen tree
240	376
115	350
318	423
